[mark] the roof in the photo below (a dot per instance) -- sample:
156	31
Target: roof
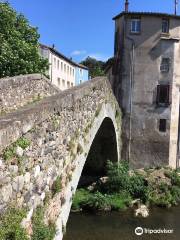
155	14
53	50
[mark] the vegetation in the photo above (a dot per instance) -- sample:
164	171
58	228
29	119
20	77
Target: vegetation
87	200
95	67
10	227
56	187
41	231
10	152
19	44
123	186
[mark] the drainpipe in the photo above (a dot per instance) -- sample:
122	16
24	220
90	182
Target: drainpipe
130	85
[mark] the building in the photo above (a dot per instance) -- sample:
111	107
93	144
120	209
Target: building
82	74
146	82
62	70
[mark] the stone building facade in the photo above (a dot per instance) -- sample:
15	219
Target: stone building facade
146	78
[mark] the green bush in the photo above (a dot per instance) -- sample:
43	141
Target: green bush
81	196
118	178
175	178
96	201
120	201
41	231
10	225
138	187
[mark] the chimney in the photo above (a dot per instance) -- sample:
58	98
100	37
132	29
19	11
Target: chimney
127	6
176	5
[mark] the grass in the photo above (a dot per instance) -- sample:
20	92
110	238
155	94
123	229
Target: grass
84	199
41	231
10	225
57	186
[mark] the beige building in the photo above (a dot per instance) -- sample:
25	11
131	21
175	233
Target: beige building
61	69
146	81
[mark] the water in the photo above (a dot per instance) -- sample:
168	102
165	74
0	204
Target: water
121	225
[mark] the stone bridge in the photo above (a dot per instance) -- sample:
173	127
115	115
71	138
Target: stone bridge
49	140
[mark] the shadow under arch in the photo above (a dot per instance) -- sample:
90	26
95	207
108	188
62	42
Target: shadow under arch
103	148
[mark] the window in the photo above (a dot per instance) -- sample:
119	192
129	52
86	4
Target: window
68	70
68	84
64	67
71	84
59	81
135	25
73	72
80	71
63	83
165	65
55	62
61	66
58	64
165	26
162	125
163	95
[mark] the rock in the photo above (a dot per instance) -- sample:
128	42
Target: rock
27	127
53	210
18	183
13	169
39	142
37	171
19	151
27	178
6	193
26	223
142	211
2	166
43	195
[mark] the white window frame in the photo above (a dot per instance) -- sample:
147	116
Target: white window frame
137	22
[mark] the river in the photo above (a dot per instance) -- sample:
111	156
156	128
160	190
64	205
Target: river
121	225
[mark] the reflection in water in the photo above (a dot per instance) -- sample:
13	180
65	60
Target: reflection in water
121	225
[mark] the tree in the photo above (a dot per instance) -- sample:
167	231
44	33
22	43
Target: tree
95	67
18	45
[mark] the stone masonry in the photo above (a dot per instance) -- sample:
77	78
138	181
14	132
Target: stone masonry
16	92
59	131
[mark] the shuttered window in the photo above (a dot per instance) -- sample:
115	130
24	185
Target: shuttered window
163	95
162	125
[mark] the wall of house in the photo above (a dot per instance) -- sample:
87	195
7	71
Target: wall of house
62	73
138	76
82	75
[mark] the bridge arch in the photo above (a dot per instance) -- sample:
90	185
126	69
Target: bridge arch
105	121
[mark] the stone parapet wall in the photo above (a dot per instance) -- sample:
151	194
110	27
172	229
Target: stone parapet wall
18	91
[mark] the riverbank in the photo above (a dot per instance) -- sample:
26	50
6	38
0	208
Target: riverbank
124	188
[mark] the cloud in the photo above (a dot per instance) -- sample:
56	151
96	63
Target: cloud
78	52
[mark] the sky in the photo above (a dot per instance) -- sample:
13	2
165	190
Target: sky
81	28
